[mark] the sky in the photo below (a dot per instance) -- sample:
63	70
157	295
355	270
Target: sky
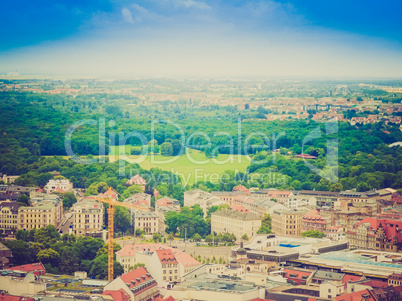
195	38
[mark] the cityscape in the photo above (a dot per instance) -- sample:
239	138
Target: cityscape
200	150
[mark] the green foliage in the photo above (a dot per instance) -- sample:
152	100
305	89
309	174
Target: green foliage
23	200
188	218
139	232
20	250
121	219
166	149
197	237
245	237
265	224
313	233
69	199
104	249
136	266
99	268
157	237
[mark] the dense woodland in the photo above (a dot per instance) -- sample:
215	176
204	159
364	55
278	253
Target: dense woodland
33	127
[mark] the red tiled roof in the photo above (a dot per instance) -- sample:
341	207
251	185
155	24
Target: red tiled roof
137	180
166	256
241	188
37	268
183	257
356	296
159	298
136	277
299	274
390	232
376	283
120	295
237	207
4	297
346	278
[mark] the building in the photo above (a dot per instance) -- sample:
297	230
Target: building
395	279
36	268
234	222
322	198
6	257
287	222
9	179
165	268
8	217
312	220
164	205
139	199
87	217
60	185
205	199
213	287
376	234
21	283
146	221
7	297
129	255
41	215
137	180
335	233
138	285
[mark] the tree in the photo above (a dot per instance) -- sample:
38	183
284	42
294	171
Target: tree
362	187
337	187
47	235
87	247
197	237
170	237
20	251
244	237
49	256
139	232
166	149
69	261
133	189
265	225
136	266
105	248
99	267
23	200
69	199
157	237
313	233
153	147
177	147
121	219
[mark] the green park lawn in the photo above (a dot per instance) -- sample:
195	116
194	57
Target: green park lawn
192	166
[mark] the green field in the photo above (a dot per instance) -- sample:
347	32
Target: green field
192	166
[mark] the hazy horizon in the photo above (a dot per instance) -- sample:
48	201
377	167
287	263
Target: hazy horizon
198	39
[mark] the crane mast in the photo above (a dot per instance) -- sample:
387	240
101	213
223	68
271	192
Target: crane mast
110	211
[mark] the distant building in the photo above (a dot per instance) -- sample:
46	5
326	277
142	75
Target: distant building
36	268
44	212
6	257
138	285
395	279
146	221
165	267
137	180
233	222
8	217
287	222
9	179
87	217
59	185
312	220
164	205
376	234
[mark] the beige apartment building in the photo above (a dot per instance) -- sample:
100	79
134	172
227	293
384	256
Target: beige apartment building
87	217
43	214
146	221
287	221
234	222
8	216
164	267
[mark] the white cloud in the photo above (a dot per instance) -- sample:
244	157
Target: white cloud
195	4
127	17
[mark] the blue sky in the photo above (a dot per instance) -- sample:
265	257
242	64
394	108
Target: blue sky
202	38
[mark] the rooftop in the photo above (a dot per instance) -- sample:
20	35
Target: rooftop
236	215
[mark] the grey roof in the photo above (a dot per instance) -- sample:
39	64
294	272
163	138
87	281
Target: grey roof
325	275
236	215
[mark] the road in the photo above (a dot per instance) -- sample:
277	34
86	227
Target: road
190	247
66	223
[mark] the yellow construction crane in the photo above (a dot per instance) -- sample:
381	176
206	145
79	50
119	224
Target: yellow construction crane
110	212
